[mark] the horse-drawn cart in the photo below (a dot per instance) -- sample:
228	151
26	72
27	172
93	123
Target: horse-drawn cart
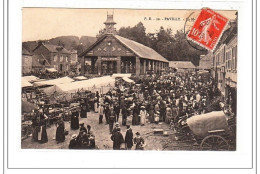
212	131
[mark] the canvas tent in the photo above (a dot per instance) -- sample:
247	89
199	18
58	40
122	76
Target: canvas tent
80	78
121	75
125	77
62	80
95	84
51	70
128	80
30	78
25	83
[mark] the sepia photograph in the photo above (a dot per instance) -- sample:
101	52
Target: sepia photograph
129	79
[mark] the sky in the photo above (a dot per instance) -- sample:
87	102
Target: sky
47	23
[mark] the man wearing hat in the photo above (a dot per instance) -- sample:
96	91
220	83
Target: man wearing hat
117	110
117	125
139	141
107	112
124	115
111	119
117	139
129	138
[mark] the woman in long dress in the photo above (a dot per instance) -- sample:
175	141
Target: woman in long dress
168	114
135	116
151	114
143	116
139	141
83	110
60	132
35	126
96	105
74	123
42	136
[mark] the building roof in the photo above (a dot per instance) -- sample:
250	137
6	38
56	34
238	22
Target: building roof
56	48
182	64
53	48
73	51
26	52
227	35
139	49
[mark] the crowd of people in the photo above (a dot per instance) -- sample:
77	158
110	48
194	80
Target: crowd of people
156	99
150	100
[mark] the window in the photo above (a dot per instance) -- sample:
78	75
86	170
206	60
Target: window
55	58
61	58
67	59
67	67
234	57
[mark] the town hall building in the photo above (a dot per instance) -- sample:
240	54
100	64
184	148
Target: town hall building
112	53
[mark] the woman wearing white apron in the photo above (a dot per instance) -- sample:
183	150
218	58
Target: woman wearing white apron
96	105
143	115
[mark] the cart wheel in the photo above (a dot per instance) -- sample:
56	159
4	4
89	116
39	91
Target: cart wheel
215	143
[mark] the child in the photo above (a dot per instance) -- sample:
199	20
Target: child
172	125
157	117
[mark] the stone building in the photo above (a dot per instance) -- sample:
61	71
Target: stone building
225	64
58	57
206	62
26	61
112	53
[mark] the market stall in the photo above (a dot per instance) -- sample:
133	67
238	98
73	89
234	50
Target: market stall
53	81
100	84
78	78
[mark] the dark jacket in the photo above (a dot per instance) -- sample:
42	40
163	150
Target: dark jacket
129	138
117	139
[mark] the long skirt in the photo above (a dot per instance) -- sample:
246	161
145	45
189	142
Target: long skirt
135	120
74	123
96	107
35	133
43	135
83	113
60	135
151	117
143	119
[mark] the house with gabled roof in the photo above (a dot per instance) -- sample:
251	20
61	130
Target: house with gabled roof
54	56
112	53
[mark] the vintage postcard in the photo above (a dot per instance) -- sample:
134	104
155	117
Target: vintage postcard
129	79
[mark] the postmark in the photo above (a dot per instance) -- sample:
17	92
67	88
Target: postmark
208	28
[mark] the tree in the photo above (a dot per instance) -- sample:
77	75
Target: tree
136	33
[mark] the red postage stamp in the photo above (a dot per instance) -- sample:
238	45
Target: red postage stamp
208	28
